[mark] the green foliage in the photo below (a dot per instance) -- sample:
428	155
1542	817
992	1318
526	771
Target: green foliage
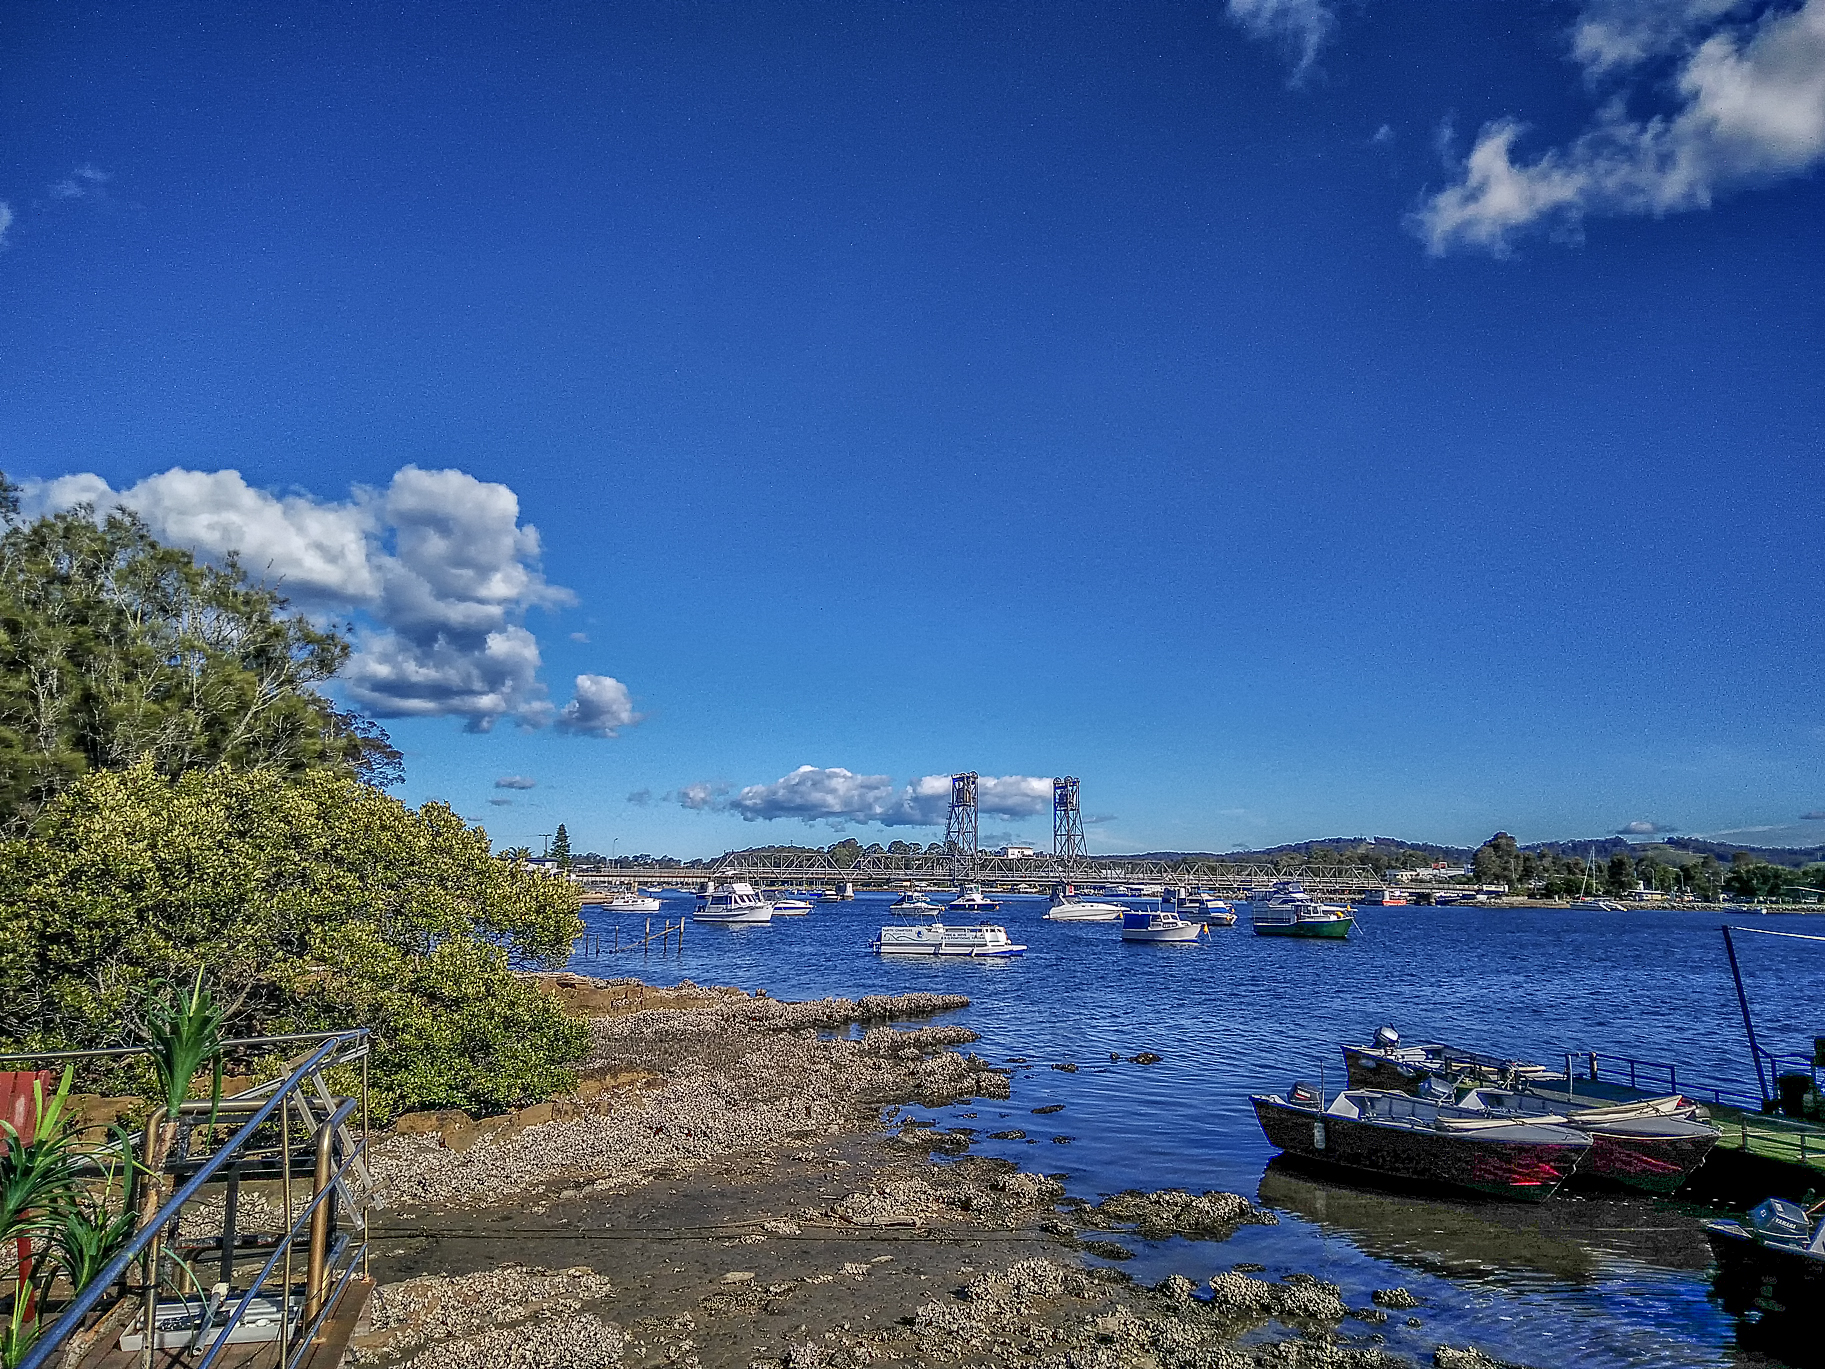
186	1033
313	902
37	1176
560	848
116	650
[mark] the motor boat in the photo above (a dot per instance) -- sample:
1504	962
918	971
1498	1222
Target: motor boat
915	903
833	896
1287	910
733	903
971	899
1198	906
1390	1064
1653	1145
791	907
1398	1136
1597	905
1067	907
624	901
1154	924
934	938
1772	1260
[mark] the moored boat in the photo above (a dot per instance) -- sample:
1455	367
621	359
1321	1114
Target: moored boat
1772	1260
733	903
1653	1145
1067	907
934	938
1287	909
1199	906
1139	924
623	901
1397	1136
914	901
971	899
1390	1064
1386	897
791	907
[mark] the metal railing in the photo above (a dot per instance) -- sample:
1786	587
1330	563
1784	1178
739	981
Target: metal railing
1649	1074
331	1256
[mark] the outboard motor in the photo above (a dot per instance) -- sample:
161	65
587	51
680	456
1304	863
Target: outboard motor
1780	1220
1304	1095
1386	1038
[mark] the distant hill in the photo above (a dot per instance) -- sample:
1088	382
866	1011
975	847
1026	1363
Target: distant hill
1602	847
1456	855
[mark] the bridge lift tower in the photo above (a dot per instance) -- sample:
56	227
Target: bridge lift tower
1067	823
960	827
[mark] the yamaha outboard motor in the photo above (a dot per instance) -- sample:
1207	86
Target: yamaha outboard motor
1304	1095
1779	1220
1386	1038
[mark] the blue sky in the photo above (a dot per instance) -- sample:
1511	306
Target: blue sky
1294	419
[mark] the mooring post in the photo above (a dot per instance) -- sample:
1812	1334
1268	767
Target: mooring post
1742	1001
647	945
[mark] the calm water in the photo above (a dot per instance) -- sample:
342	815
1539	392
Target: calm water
1579	1280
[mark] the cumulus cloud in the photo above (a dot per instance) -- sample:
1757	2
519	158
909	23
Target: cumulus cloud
600	707
84	183
641	798
438	561
1750	110
833	794
516	782
1643	828
705	795
1298	26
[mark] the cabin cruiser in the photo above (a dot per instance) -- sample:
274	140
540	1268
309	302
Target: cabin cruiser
1398	1136
1653	1145
1141	924
791	907
934	938
1198	906
915	902
971	899
733	903
1287	910
625	901
1068	907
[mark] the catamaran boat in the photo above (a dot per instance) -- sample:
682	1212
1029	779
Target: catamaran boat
1068	907
916	903
791	907
733	903
971	899
1287	910
1198	906
626	901
1653	1145
1153	924
1398	1136
934	938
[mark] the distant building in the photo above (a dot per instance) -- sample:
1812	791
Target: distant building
1434	872
1016	852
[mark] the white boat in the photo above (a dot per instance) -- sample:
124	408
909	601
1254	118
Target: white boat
934	938
1597	905
1069	908
1159	924
625	902
791	907
971	899
735	902
1199	906
915	902
833	896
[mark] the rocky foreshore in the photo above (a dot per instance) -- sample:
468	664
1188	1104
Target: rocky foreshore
722	1192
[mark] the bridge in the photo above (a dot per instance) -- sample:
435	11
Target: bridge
961	862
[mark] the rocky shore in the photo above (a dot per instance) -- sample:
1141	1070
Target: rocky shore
722	1191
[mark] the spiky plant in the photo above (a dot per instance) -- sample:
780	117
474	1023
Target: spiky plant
37	1176
185	1033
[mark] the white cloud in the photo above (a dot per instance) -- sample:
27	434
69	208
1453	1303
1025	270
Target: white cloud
837	795
698	797
1299	26
85	182
601	705
6	222
439	561
1643	828
516	782
1752	110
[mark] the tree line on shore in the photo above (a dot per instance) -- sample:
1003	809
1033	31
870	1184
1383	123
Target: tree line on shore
178	794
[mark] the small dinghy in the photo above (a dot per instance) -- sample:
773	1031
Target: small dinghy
1653	1145
1157	925
1390	1064
983	939
1773	1260
1398	1136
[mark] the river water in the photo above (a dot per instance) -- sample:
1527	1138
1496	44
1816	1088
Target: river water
1579	1280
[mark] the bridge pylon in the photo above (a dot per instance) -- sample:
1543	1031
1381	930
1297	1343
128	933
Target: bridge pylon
1067	824
960	827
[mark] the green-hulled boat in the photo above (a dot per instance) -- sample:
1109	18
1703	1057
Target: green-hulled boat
1287	910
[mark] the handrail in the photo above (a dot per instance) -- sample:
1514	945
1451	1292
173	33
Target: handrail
101	1051
90	1294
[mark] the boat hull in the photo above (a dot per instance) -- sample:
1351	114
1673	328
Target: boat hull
1651	1164
1331	929
1185	932
746	915
1525	1171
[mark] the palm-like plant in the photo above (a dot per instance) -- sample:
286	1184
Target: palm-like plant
37	1183
185	1032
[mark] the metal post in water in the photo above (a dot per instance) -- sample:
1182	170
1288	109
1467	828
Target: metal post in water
647	945
1742	1001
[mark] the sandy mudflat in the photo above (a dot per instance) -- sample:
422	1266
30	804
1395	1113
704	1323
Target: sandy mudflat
729	1196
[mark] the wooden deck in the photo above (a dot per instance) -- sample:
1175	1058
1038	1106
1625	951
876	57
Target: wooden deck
325	1353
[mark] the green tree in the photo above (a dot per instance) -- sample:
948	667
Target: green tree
1619	876
1497	861
312	902
116	650
560	848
